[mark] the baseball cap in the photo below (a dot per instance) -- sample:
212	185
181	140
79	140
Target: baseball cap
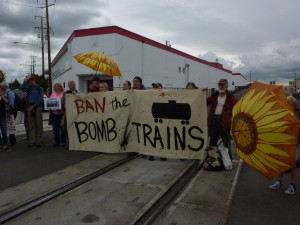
157	84
223	81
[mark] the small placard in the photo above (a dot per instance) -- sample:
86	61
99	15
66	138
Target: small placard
52	103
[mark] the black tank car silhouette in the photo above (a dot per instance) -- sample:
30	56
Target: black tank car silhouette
171	110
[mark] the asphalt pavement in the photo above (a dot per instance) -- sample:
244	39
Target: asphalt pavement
23	163
255	204
252	202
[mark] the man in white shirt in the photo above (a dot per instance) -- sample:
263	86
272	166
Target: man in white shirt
219	119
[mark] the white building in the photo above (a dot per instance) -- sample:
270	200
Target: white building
136	55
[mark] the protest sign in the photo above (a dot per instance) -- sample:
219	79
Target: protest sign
164	123
52	103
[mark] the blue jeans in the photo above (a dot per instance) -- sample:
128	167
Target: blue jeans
3	128
59	132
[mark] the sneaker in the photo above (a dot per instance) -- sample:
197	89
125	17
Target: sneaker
6	149
291	190
276	185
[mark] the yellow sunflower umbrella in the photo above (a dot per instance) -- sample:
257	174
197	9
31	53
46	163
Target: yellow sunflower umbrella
99	62
265	129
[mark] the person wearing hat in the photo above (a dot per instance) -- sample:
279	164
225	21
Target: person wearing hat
219	119
156	86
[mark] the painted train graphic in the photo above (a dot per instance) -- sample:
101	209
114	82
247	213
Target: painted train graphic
171	110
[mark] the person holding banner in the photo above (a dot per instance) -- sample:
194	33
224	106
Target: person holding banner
59	132
156	86
191	86
219	119
72	87
138	83
94	86
103	87
126	85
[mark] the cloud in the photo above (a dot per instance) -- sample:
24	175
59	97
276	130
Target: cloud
250	36
276	60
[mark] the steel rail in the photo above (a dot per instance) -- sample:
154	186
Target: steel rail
153	212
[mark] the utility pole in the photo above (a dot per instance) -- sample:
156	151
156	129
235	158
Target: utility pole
49	50
32	70
295	82
42	45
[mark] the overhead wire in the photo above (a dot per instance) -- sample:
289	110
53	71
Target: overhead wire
11	3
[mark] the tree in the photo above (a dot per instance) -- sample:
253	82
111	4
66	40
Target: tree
2	76
15	85
42	81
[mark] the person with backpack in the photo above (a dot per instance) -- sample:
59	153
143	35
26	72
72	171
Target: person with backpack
9	107
35	110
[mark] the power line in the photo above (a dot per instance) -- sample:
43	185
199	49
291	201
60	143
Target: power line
31	6
26	1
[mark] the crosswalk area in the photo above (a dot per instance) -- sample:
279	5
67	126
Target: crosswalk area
19	123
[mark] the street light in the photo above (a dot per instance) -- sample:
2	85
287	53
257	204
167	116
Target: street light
16	42
43	59
295	82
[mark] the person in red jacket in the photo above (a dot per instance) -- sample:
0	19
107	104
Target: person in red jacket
219	119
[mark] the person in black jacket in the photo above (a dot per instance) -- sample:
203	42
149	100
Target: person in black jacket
3	127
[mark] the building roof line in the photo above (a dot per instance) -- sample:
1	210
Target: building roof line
240	75
137	37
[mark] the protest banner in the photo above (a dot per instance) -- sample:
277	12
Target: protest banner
165	123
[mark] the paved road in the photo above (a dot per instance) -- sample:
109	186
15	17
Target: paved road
23	163
253	202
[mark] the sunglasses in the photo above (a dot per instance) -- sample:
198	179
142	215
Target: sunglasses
221	84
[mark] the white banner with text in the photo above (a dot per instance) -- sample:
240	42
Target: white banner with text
164	123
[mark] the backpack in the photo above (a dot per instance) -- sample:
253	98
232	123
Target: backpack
213	159
18	105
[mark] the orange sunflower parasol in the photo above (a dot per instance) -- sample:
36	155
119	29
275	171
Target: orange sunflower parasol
265	129
99	62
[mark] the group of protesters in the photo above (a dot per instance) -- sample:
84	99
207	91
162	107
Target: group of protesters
219	119
222	103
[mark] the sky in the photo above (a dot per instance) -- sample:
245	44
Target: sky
260	39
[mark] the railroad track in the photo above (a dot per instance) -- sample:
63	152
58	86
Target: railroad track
147	215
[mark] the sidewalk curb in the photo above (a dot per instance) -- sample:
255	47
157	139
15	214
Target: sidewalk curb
228	204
